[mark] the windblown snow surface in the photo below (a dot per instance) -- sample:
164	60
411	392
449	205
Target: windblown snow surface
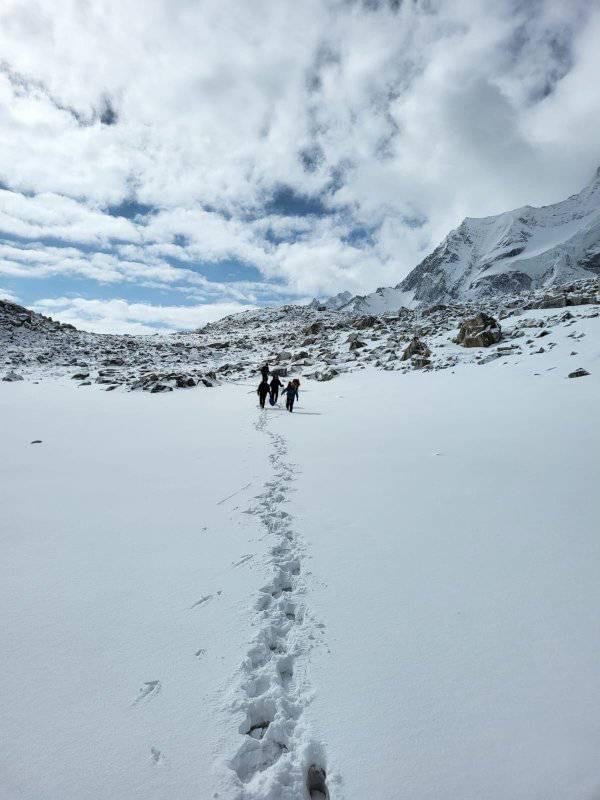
390	593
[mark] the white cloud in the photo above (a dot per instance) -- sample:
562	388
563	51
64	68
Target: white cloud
119	316
402	121
6	294
51	215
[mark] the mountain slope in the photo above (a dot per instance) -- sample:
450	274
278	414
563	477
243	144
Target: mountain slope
523	249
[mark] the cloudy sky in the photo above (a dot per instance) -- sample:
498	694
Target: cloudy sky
166	162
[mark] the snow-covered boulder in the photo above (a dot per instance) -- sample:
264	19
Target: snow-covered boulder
12	376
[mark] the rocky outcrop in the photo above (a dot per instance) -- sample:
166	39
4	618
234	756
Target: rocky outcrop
14	316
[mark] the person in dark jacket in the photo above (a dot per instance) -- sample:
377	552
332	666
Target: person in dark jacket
291	393
265	372
262	392
276	385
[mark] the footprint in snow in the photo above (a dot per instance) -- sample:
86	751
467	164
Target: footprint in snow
206	599
243	560
149	690
316	783
202	600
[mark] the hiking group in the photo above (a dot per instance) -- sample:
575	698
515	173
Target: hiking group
271	390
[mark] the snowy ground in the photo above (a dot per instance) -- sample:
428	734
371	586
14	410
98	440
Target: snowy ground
398	585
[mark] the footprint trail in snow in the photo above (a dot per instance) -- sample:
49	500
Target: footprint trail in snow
277	758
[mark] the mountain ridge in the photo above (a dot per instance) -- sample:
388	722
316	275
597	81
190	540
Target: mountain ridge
528	247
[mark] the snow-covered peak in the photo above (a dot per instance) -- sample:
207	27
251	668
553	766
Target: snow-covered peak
332	303
526	248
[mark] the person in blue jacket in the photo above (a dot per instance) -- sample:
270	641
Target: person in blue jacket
291	394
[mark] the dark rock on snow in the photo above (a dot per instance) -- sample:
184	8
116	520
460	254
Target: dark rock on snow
416	348
578	373
479	331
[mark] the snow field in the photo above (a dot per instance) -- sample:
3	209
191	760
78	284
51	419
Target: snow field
391	592
126	584
453	539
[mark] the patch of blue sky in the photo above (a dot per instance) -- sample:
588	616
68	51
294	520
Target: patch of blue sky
29	243
285	201
360	236
230	270
130	209
415	220
32	290
254	288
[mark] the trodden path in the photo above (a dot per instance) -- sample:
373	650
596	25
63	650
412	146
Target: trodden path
278	759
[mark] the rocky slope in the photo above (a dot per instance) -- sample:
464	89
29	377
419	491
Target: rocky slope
311	342
528	248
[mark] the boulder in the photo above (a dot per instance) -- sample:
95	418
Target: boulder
418	362
553	301
185	381
12	377
326	375
579	373
434	309
416	348
356	344
364	322
315	327
479	331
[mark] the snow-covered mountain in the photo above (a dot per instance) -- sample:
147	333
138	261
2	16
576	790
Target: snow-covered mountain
332	303
526	248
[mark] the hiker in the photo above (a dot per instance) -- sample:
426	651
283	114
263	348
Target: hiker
265	372
291	393
296	383
262	392
276	385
